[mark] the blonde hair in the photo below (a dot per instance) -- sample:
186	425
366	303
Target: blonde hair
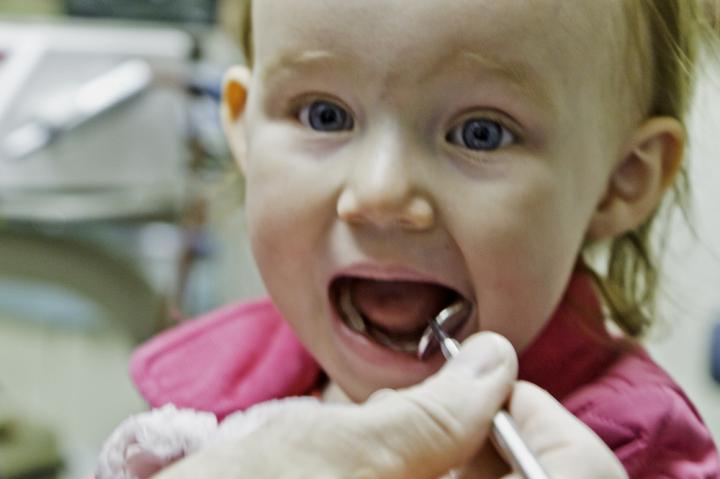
667	41
245	33
629	278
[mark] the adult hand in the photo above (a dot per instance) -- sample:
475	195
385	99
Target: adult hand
565	446
421	432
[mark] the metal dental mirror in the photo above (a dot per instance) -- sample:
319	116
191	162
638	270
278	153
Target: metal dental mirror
440	332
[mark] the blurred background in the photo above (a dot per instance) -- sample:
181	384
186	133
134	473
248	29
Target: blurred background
119	209
120	215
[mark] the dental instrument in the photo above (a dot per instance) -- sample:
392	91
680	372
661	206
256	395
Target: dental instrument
504	431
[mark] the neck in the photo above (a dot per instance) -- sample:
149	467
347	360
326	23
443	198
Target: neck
574	345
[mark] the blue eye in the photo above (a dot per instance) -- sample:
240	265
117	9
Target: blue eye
326	116
481	134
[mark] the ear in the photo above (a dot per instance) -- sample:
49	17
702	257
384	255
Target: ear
649	163
234	100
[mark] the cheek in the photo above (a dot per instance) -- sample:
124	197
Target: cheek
286	203
271	225
289	208
521	253
285	224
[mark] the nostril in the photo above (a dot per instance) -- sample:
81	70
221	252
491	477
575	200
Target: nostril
348	208
420	213
413	213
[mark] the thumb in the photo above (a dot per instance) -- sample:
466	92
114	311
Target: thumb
442	423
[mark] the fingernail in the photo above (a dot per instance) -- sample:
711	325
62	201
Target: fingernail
484	352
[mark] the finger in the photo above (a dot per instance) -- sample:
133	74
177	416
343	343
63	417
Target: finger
565	446
427	430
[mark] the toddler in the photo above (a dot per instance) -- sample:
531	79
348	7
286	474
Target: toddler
401	156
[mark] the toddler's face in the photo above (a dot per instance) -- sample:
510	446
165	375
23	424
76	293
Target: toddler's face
403	154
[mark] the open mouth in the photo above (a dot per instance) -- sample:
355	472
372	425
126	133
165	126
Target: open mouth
393	314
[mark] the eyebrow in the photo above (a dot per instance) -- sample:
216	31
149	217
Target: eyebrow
296	60
520	75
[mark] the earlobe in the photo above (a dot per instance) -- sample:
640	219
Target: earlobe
234	102
648	166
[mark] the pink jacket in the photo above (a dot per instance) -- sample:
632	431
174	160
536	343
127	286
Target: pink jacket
245	354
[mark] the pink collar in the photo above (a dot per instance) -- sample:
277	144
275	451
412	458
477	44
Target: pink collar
574	347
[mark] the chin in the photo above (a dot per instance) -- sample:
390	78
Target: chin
359	376
359	390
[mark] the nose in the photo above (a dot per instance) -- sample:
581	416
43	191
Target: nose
382	189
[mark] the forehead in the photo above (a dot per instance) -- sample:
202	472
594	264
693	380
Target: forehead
389	30
562	44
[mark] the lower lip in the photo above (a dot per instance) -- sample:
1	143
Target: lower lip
373	353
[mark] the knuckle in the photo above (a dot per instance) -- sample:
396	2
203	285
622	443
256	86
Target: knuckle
439	419
416	430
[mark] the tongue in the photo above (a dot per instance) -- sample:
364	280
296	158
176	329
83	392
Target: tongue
399	306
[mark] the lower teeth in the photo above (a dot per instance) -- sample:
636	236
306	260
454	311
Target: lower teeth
351	314
357	323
